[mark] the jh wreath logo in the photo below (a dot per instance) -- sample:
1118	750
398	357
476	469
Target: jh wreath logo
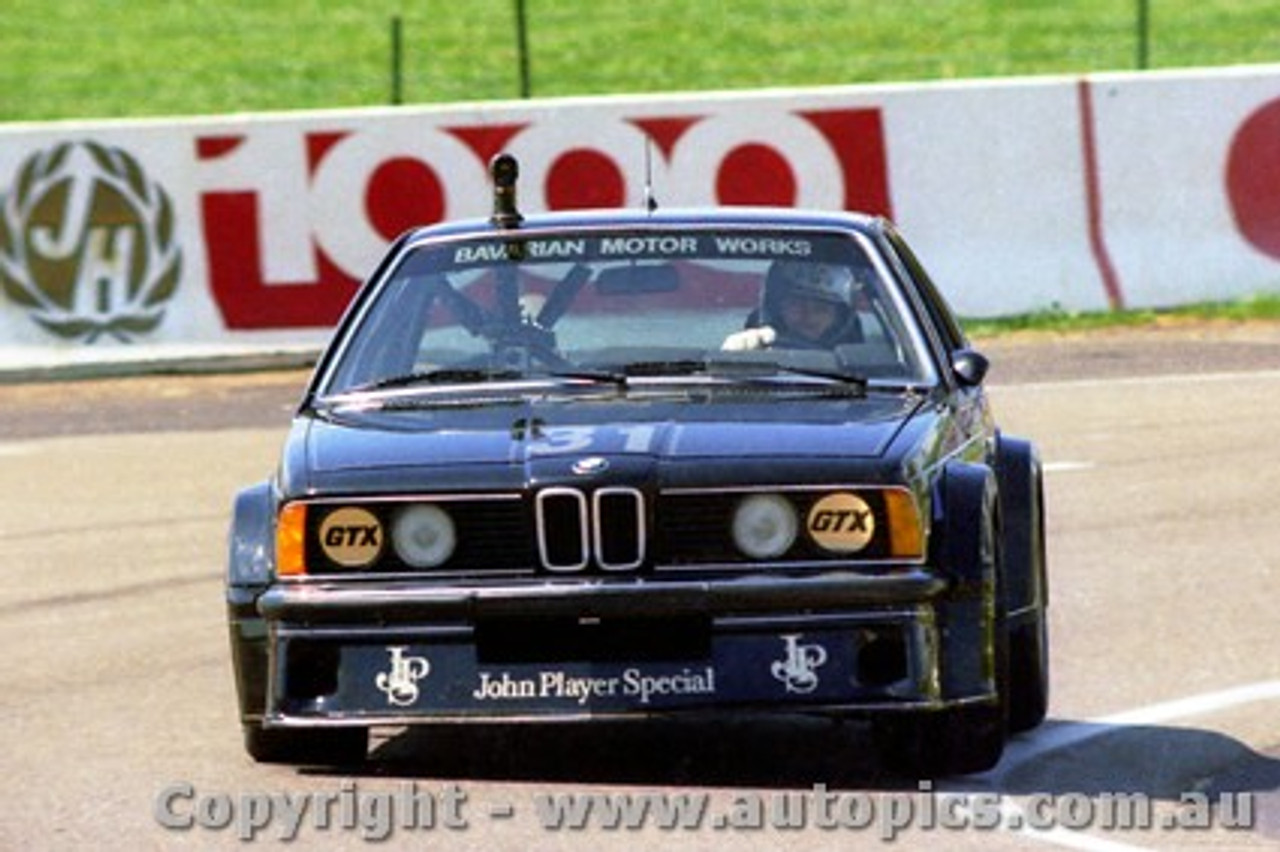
87	243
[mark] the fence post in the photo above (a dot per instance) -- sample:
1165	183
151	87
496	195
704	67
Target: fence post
397	89
522	48
1144	33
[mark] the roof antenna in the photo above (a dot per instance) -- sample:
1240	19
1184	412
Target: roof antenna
650	203
505	169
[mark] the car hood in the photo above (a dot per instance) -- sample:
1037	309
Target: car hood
520	434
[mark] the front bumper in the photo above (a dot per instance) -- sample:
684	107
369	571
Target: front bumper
317	602
832	644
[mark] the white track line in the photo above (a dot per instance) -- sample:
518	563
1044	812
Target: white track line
1197	705
1068	466
1073	733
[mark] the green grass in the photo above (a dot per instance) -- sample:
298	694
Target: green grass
86	59
1261	307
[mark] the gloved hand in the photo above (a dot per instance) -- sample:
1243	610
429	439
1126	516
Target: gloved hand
750	338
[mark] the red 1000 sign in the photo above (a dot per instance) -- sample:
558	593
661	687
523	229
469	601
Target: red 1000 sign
292	224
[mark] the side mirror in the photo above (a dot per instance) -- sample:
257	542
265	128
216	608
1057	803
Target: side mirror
969	366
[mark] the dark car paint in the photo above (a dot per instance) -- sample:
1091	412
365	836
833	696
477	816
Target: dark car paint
519	433
941	443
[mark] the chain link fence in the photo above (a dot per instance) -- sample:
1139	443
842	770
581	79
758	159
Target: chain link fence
86	58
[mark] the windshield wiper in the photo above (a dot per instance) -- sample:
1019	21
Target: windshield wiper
838	376
677	367
604	377
734	368
441	376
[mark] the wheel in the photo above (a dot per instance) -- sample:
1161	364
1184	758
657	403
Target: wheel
1026	584
967	738
1028	674
307	746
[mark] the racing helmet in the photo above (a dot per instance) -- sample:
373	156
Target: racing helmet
824	282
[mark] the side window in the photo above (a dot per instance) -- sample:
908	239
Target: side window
940	313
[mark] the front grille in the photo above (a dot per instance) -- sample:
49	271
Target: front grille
606	529
564	540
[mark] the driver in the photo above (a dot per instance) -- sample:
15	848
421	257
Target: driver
804	305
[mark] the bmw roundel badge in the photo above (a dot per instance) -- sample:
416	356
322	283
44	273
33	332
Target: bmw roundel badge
590	466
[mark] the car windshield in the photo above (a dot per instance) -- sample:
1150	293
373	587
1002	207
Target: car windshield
632	306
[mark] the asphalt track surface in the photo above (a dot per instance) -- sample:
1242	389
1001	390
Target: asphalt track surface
1163	465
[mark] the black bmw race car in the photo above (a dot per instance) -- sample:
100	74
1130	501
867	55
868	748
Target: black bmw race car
639	464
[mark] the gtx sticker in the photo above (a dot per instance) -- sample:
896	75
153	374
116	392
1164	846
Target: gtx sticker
842	523
400	683
351	537
798	668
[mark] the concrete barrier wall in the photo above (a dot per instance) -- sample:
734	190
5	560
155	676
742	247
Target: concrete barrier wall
252	232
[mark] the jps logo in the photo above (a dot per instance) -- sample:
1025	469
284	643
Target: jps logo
400	684
351	537
88	243
798	669
842	522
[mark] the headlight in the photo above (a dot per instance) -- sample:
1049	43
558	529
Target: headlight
764	526
424	536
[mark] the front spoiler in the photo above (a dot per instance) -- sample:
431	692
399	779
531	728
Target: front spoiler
390	653
394	675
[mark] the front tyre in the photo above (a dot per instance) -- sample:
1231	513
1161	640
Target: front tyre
1026	592
1028	674
968	737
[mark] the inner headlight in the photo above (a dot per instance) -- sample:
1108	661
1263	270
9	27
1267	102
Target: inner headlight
424	536
764	526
